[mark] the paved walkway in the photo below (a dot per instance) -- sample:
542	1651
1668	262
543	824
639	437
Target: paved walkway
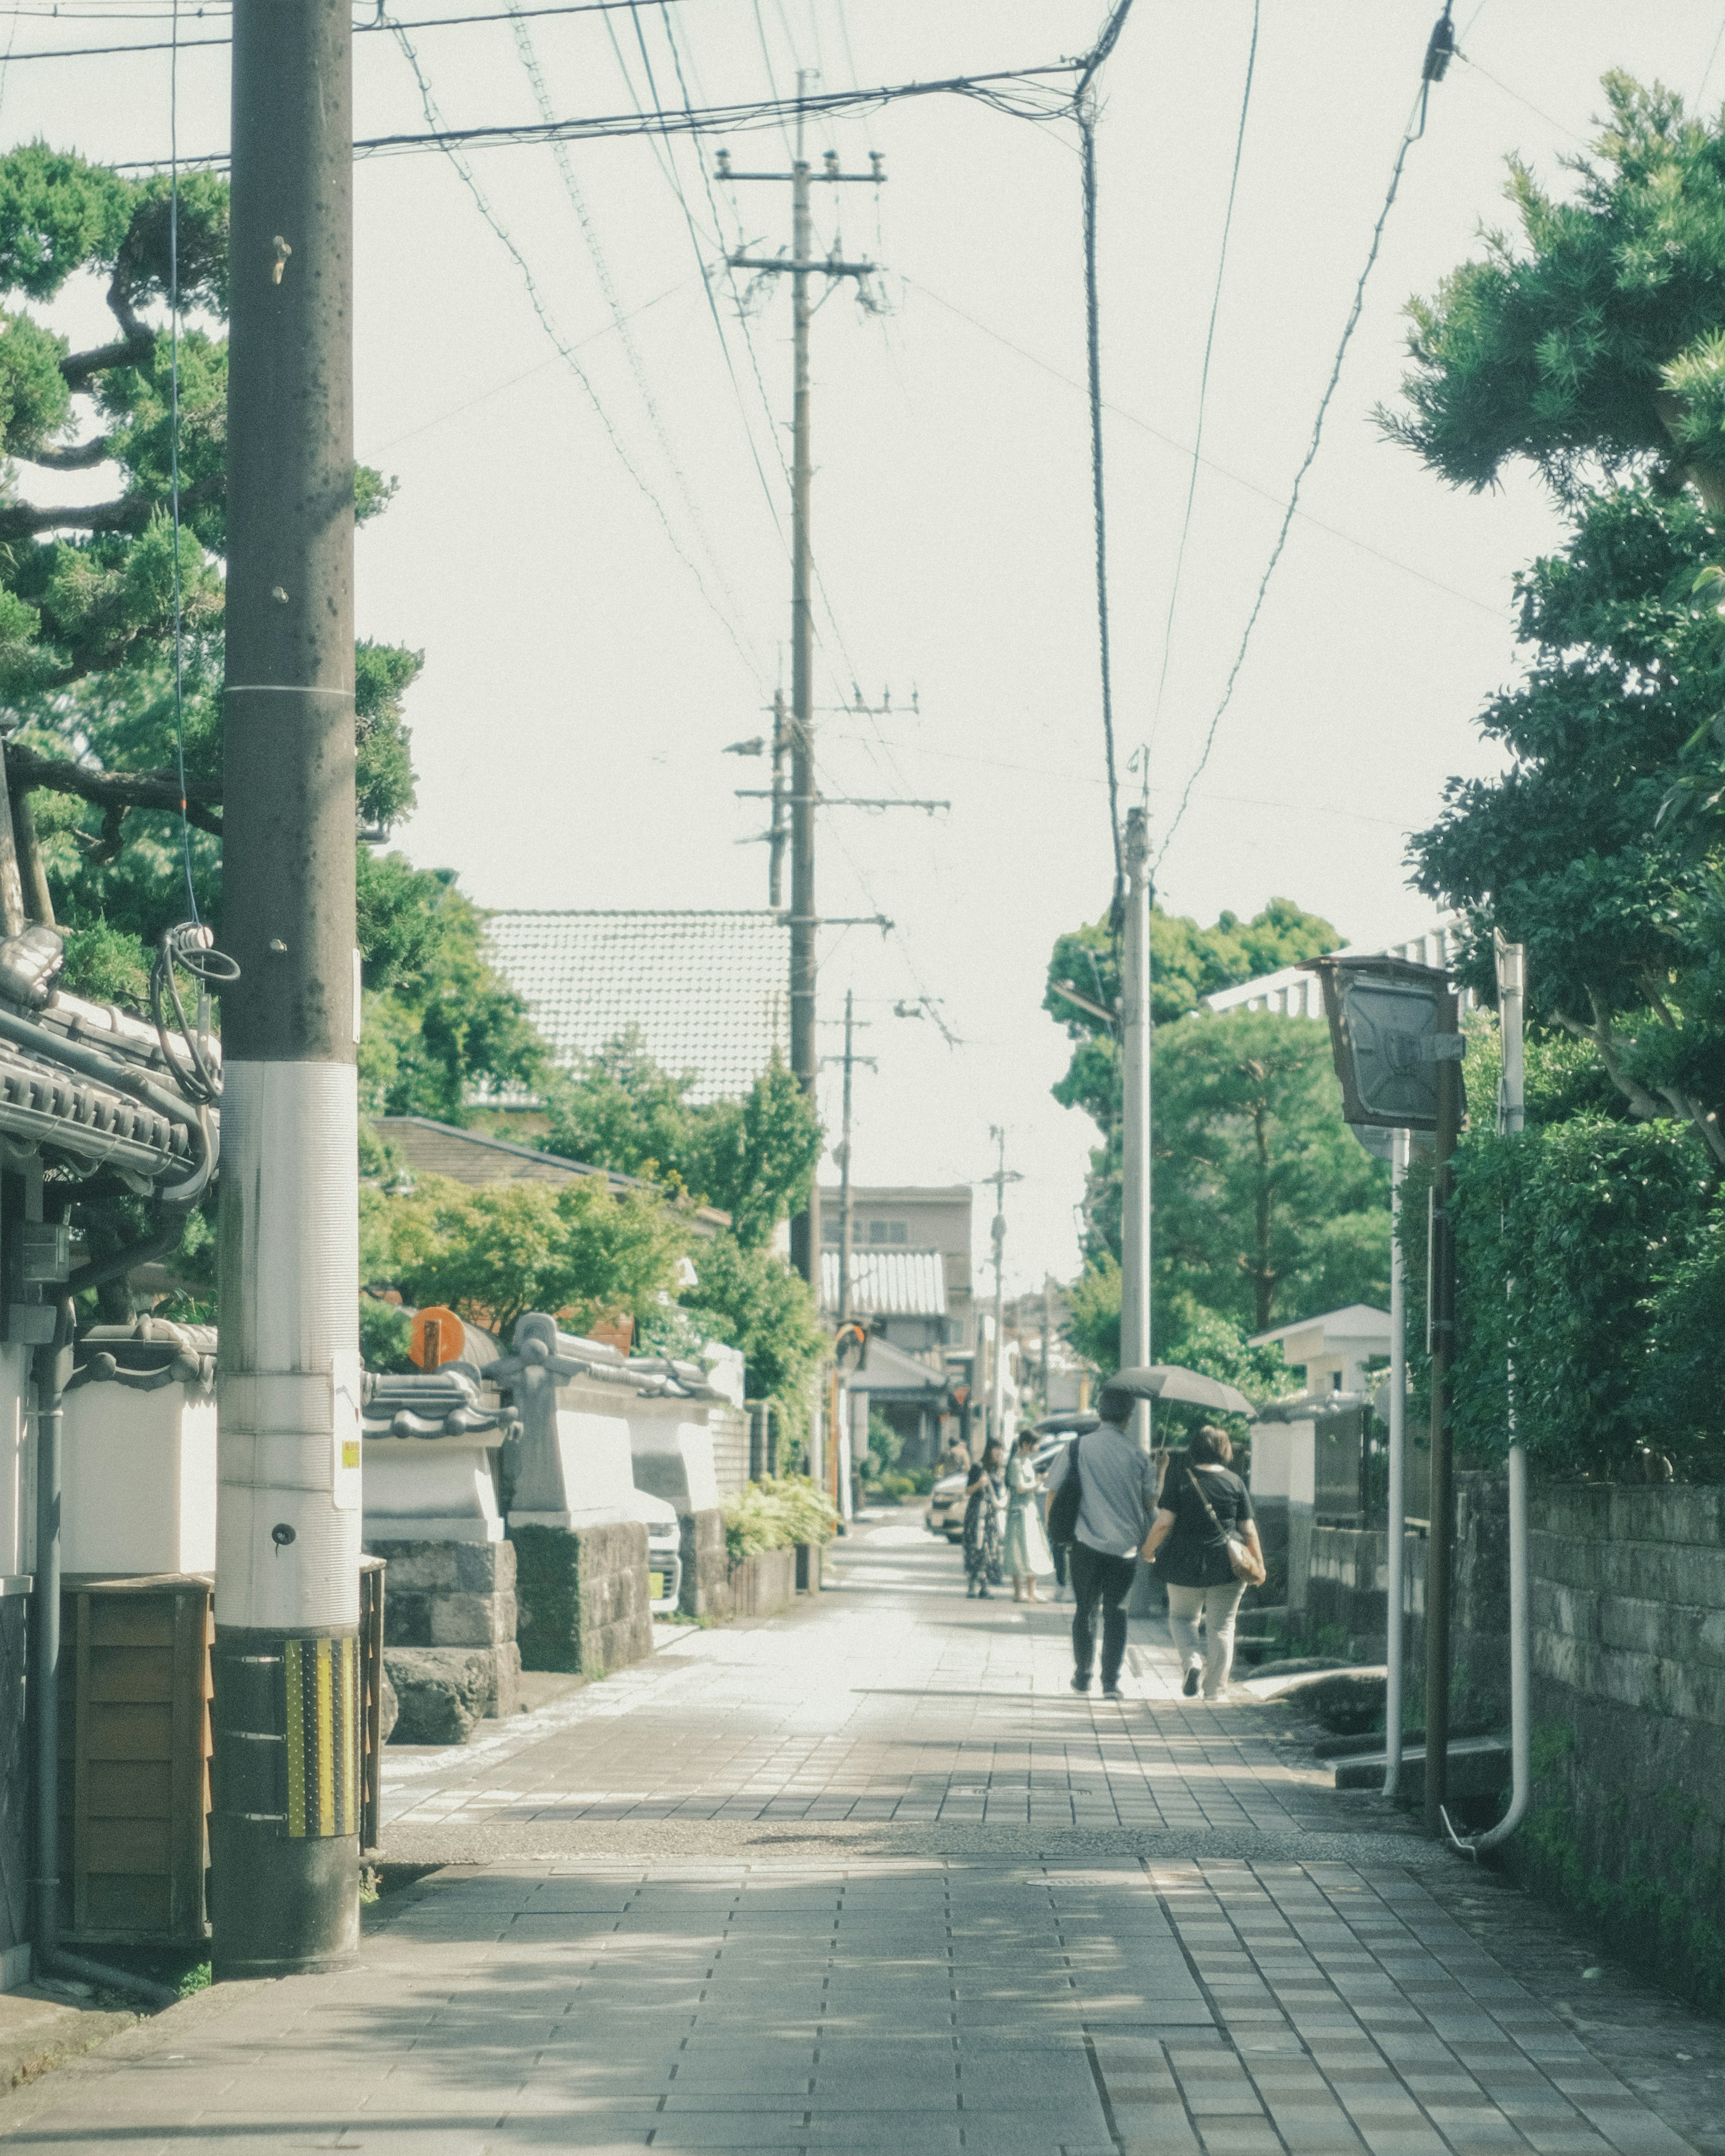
870	1877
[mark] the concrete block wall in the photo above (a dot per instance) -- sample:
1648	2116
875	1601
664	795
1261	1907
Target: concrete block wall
1629	1720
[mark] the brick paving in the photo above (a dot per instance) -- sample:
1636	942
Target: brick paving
827	1993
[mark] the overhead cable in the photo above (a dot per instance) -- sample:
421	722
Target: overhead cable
1209	464
1203	378
577	202
483	204
1093	352
1438	49
380	22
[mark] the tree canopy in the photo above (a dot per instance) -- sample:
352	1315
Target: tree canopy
1591	1250
1592	341
753	1158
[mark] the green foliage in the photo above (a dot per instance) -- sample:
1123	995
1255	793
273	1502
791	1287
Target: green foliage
884	1447
1590	1256
751	1300
1187	963
574	1250
1184	1332
439	1020
1267	1209
87	591
775	1513
753	1158
1620	905
1591	341
384	1330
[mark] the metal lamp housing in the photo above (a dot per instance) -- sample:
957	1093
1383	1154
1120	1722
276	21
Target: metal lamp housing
1386	1034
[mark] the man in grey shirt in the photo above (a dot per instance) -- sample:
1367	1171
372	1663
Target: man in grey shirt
1115	1512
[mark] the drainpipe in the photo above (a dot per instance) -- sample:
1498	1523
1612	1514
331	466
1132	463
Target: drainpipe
1395	1648
52	1362
1512	1006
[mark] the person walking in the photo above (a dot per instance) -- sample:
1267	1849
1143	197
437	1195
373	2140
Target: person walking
1203	1505
1026	1551
1116	1505
984	1510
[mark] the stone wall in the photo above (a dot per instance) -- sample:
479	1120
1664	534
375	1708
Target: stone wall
1628	1820
583	1597
706	1564
449	1644
1347	1602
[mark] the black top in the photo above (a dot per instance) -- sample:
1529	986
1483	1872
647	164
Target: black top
1194	1555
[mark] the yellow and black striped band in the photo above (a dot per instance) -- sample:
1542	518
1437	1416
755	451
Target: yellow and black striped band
322	1737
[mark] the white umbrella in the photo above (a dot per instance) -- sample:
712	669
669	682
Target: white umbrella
1171	1381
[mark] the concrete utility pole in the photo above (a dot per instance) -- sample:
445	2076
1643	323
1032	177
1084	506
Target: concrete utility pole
776	836
1440	1319
850	1060
1135	1036
284	1858
997	1368
800	266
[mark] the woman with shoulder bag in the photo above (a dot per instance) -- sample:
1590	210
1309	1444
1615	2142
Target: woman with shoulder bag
1205	1544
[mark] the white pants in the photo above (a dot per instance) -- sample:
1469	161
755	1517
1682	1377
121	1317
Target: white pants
1216	1606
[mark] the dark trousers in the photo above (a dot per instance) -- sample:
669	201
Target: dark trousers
1097	1578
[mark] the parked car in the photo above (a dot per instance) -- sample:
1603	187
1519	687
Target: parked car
946	1508
664	1549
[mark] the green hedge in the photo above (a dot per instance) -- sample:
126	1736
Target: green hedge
775	1513
1590	1256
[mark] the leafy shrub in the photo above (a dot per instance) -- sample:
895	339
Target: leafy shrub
775	1513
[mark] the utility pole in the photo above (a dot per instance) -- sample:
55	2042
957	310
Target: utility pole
776	835
1047	1327
850	1060
997	1369
1135	1155
284	1835
800	267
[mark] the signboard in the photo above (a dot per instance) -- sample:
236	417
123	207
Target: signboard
1390	1034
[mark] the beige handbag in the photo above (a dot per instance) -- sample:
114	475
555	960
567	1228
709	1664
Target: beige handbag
1245	1565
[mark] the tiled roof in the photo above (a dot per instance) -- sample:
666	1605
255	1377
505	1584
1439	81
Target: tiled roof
706	992
480	1160
888	1283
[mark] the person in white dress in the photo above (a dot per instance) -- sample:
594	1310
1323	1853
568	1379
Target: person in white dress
1027	1552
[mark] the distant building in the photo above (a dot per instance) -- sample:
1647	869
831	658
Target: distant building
1297	993
923	1234
705	993
1336	1352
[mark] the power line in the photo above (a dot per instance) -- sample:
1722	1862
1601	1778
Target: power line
1224	471
1436	60
481	202
577	202
1203	378
381	22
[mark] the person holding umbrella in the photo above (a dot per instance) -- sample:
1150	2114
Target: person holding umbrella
1104	1495
1204	1545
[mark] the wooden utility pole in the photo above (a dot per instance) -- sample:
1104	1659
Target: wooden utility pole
800	266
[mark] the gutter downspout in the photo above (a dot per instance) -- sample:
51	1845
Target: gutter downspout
51	1368
1394	1646
1512	1005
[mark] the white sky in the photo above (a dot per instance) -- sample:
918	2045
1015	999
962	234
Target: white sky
580	683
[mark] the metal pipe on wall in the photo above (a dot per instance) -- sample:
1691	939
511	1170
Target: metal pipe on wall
1395	1651
1511	1114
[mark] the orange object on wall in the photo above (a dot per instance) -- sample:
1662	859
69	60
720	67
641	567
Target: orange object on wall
438	1336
